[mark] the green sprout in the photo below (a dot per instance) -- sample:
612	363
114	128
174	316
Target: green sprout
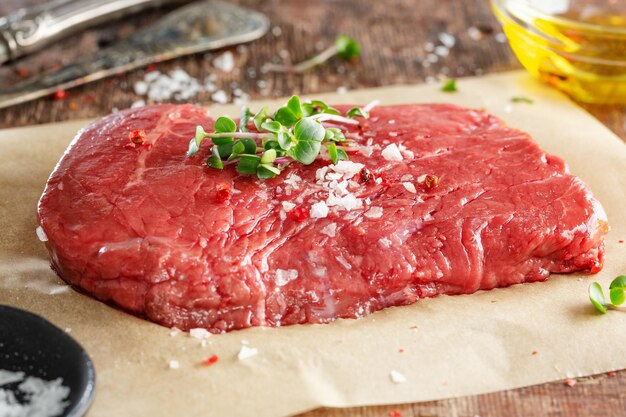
617	294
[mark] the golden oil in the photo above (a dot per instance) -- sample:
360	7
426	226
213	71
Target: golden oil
580	50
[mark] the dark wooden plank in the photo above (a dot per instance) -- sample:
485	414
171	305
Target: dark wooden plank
393	35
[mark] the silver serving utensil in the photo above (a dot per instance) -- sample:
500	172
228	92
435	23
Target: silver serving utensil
198	27
29	30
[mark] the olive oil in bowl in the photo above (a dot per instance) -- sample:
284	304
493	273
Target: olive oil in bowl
576	45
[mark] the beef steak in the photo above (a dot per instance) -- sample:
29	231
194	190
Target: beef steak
436	199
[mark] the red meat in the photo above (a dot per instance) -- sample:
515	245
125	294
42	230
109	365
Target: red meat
472	205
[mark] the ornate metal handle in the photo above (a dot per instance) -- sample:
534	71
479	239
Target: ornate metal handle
28	30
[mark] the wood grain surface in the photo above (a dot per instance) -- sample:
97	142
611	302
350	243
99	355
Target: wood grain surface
394	36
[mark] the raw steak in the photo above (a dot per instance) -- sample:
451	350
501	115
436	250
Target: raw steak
165	237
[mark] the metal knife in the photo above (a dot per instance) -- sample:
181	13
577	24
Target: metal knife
29	30
197	27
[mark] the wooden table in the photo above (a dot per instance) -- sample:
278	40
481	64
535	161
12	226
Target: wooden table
393	35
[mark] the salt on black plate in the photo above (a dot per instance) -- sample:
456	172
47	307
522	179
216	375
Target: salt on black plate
34	346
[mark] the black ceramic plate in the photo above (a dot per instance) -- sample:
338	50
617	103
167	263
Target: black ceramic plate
33	345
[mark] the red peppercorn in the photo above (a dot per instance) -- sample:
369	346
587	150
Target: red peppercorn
137	136
60	95
222	192
210	360
431	181
395	413
365	175
298	214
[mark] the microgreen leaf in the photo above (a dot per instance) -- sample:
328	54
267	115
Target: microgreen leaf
248	164
272	126
249	145
332	152
342	155
265	171
357	111
245	118
309	135
194	143
193	147
260	118
522	99
268	157
215	161
449	86
238	148
596	296
225	149
224	124
285	139
347	48
617	290
289	114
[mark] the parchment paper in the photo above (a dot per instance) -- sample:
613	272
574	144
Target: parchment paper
453	346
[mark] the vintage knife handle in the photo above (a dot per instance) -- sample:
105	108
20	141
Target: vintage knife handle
28	30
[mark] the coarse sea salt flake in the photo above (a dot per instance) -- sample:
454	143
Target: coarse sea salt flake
319	210
225	62
246	353
374	213
397	377
343	262
174	364
283	276
348	168
392	153
41	234
421	178
329	230
199	333
288	206
409	187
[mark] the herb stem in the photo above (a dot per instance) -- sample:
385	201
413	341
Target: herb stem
369	106
323	117
240	135
320	58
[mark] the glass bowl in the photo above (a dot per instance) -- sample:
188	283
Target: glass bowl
578	46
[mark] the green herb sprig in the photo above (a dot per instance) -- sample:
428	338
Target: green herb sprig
617	294
294	132
449	86
344	47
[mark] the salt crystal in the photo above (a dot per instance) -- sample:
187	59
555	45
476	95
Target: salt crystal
378	180
319	210
474	33
288	206
141	88
282	215
277	31
225	62
199	333
447	39
173	364
283	276
329	230
397	377
41	234
342	90
421	178
350	202
374	213
393	134
409	187
392	121
385	242
392	153
247	352
343	262
347	168
174	332
442	51
138	103
219	97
